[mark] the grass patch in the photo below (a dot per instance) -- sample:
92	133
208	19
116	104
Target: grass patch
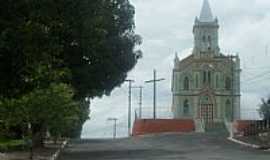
7	145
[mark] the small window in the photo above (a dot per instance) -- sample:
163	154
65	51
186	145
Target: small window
186	83
228	83
228	103
186	107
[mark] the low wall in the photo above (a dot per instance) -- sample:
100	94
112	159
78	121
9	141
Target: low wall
150	126
241	125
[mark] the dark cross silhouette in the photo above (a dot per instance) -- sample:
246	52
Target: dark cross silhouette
154	81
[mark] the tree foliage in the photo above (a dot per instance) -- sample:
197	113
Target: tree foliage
89	45
50	109
265	109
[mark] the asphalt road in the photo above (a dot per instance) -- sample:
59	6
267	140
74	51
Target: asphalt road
162	147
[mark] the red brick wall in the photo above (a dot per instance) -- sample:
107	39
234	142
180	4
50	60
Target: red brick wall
149	126
241	125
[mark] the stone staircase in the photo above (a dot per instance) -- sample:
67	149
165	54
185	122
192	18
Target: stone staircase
199	126
216	127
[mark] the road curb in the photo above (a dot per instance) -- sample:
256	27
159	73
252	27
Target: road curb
56	154
244	143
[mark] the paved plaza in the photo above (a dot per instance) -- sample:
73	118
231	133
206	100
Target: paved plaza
191	146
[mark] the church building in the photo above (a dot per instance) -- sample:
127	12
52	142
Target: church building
206	84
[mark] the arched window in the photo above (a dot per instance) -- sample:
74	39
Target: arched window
228	103
186	83
228	83
217	81
209	77
197	81
209	42
209	39
186	107
204	39
204	77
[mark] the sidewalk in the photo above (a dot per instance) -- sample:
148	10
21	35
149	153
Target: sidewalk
252	142
49	152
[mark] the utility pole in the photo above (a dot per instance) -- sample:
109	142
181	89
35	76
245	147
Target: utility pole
140	100
114	126
129	105
154	81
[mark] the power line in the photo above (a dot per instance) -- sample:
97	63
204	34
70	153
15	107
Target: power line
258	68
257	77
140	100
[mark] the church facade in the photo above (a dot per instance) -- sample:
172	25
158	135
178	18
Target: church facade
206	84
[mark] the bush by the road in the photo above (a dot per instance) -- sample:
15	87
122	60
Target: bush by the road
7	145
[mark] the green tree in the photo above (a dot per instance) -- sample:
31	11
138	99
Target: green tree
265	109
88	44
45	109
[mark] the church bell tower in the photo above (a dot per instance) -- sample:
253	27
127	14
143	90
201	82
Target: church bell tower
205	33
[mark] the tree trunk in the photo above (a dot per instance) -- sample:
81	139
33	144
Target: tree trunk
38	135
37	140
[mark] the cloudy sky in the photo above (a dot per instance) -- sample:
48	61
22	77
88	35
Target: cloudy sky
166	28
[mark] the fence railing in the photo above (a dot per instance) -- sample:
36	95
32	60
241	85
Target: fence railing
257	127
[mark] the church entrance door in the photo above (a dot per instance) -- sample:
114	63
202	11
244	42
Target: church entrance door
206	110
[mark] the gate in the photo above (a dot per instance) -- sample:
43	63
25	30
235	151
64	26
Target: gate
207	114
